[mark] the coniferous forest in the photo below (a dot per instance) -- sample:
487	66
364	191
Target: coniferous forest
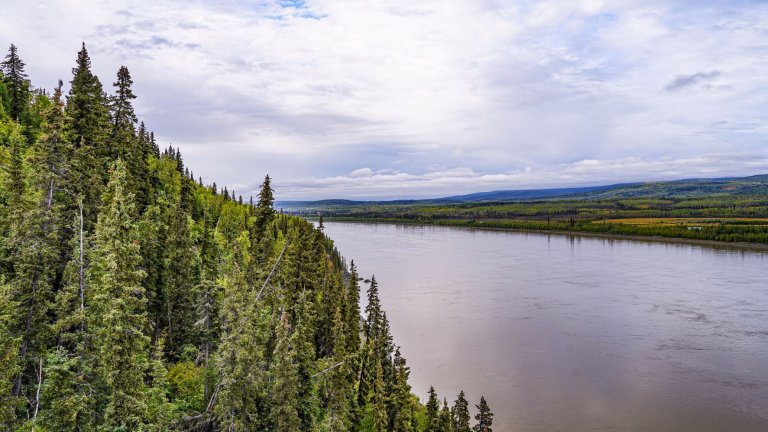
133	297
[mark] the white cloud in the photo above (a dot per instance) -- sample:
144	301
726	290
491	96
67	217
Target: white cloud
361	172
464	89
587	172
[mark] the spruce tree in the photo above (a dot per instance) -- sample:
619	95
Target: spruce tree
87	128
32	254
337	389
119	306
16	81
484	417
240	358
352	311
400	409
372	354
460	412
377	400
50	154
284	392
445	421
432	414
9	349
264	210
180	284
69	367
122	117
305	309
65	401
159	410
373	310
124	142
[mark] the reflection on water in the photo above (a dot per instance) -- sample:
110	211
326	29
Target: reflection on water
575	334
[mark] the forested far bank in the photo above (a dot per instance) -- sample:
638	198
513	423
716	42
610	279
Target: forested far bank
135	297
726	217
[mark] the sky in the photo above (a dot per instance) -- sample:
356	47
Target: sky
382	99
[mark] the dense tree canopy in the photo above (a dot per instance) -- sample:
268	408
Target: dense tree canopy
134	298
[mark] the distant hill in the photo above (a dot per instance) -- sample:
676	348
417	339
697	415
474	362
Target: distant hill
527	194
688	188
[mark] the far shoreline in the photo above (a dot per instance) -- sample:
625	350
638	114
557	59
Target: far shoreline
715	244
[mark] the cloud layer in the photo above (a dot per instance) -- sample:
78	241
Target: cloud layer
392	98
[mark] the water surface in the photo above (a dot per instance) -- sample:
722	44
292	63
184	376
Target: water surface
575	334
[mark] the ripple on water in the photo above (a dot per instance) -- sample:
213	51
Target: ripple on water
575	334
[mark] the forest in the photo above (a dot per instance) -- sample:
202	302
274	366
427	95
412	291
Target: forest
724	215
133	297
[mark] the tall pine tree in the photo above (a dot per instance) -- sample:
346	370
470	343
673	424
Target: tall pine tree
119	306
284	392
460	412
87	128
124	142
484	417
432	415
16	81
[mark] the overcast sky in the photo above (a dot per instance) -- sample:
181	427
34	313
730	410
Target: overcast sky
398	98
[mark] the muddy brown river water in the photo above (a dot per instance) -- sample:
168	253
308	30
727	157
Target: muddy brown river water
575	334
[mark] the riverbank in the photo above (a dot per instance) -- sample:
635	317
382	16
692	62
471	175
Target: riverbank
755	246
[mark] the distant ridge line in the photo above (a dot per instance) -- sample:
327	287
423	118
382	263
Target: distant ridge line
756	184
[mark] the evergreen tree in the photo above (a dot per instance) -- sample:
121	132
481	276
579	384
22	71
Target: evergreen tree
123	118
445	421
400	410
460	412
484	417
50	155
284	394
377	399
119	306
87	126
374	339
239	359
373	310
159	409
124	142
65	404
264	210
163	305
180	285
9	348
32	254
352	311
432	412
337	389
16	81
305	312
68	368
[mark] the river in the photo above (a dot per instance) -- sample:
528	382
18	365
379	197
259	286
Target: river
564	333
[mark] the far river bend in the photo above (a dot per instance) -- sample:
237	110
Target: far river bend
565	333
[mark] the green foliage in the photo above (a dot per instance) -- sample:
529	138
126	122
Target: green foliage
134	298
432	412
66	405
87	128
9	363
484	417
284	391
119	317
445	419
460	413
185	382
16	81
240	359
